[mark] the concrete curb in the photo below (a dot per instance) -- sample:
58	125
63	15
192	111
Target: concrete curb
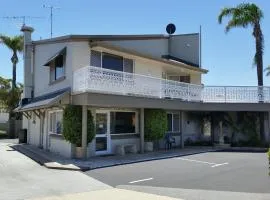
245	149
48	163
51	164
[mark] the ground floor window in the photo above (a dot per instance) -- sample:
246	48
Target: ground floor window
122	122
173	121
56	121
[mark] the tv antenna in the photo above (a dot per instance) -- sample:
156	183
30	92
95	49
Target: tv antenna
21	18
51	15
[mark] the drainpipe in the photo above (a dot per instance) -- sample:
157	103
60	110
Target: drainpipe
27	64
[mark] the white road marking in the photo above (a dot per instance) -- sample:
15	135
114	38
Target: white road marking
217	165
204	162
198	161
147	179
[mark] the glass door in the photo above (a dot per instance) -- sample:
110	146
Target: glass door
102	132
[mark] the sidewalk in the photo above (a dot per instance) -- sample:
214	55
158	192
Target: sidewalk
54	161
112	194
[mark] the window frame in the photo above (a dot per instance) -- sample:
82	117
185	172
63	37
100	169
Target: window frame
53	68
137	122
172	124
50	122
123	60
179	77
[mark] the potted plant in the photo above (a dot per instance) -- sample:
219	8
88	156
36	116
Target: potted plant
72	127
155	127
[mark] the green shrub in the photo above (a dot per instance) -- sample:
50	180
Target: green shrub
155	124
72	125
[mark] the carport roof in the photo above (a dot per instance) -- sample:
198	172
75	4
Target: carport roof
44	101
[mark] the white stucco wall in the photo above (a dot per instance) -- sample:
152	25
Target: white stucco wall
191	128
185	47
155	47
43	52
60	146
3	117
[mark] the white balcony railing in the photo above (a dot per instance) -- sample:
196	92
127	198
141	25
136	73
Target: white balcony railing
95	79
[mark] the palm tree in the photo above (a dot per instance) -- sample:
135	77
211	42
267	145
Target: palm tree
244	15
267	70
15	44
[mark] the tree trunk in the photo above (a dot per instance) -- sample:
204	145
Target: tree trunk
14	76
257	33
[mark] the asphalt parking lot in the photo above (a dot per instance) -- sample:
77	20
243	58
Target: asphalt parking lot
218	171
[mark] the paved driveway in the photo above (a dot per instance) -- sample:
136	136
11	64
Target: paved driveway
22	178
217	172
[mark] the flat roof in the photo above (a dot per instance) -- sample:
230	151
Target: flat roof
101	38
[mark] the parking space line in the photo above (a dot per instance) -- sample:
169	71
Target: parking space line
217	165
198	161
137	181
204	162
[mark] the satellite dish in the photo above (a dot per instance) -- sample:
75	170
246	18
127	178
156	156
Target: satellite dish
170	29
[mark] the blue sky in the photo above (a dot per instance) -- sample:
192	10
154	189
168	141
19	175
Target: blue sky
228	57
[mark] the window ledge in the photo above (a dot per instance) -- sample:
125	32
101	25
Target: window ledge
58	80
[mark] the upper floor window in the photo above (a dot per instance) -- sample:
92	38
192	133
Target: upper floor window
57	65
111	61
57	68
185	79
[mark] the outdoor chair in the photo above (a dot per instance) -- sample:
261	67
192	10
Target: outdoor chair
169	140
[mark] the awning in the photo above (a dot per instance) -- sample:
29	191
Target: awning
42	103
62	52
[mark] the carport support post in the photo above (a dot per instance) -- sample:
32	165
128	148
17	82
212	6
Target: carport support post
142	129
84	131
182	145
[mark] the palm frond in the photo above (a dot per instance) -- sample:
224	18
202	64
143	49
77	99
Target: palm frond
225	12
14	43
267	70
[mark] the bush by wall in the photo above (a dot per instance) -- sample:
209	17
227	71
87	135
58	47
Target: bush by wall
72	125
155	124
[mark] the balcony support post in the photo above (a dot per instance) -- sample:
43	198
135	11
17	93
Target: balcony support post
142	130
182	145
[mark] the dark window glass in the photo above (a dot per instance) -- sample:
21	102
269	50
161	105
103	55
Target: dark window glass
101	143
176	124
112	62
59	67
169	121
185	79
122	122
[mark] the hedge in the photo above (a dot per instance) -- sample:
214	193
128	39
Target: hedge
155	124
72	125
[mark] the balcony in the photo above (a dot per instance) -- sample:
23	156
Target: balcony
99	80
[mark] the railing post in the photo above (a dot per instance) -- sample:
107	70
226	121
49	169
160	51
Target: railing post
225	93
188	92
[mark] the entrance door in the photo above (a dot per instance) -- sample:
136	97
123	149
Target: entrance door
102	132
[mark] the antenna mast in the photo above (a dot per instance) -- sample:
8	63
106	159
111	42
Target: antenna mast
22	18
51	16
